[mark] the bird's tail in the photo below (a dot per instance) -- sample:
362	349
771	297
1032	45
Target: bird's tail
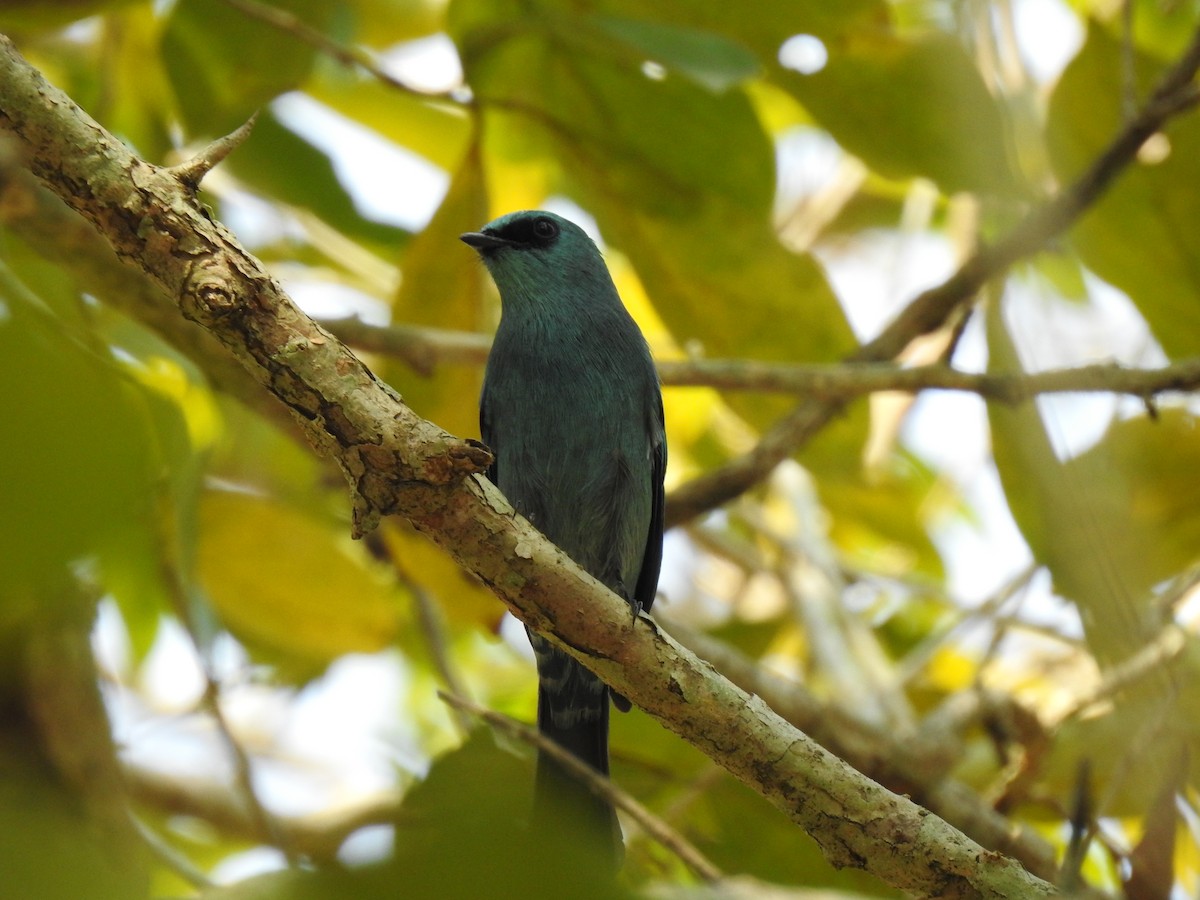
573	712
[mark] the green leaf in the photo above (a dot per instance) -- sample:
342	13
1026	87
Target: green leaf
268	461
1061	273
133	97
435	129
772	21
464	832
382	25
909	107
283	584
682	181
52	849
881	519
75	449
1138	235
184	422
753	637
1161	29
279	163
449	395
1111	523
21	15
710	60
217	60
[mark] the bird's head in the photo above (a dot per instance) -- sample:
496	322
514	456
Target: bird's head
538	258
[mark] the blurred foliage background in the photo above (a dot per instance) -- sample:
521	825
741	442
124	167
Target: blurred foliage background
988	596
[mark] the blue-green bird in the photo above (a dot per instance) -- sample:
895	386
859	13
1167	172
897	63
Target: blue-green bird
572	410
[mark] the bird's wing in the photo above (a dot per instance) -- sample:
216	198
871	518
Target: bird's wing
647	583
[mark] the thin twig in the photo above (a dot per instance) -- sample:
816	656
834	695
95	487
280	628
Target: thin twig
170	857
1149	660
287	22
420	347
423	348
844	381
915	661
1174	94
916	766
1177	590
1083	828
243	772
847	653
731	546
433	627
667	836
317	836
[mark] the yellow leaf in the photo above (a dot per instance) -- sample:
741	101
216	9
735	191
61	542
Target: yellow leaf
463	598
285	583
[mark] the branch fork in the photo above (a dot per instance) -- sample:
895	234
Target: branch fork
192	172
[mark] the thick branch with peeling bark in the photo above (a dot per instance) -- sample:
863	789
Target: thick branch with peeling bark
911	764
398	463
62	237
152	219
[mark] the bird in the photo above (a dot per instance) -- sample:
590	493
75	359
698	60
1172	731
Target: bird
571	408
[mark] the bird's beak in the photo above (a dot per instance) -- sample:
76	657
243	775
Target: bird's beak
483	242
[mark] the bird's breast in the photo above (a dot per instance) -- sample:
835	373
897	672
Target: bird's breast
568	426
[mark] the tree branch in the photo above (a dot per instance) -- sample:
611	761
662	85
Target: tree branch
424	348
1174	94
289	23
398	463
152	219
845	381
421	347
316	837
192	172
56	233
62	237
913	765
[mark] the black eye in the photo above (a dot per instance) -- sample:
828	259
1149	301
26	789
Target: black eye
545	230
